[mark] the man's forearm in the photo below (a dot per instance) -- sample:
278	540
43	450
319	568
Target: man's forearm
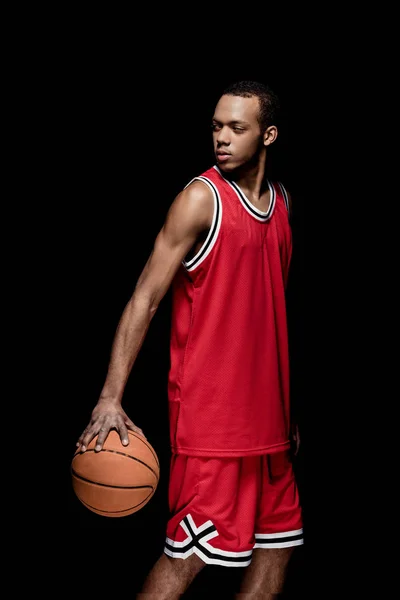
129	336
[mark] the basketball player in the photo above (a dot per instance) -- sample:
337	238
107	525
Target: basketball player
225	248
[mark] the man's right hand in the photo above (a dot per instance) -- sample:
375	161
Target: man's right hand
106	416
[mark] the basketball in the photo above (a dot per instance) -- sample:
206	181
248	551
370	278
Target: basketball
118	480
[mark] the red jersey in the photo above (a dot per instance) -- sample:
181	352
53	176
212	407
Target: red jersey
228	382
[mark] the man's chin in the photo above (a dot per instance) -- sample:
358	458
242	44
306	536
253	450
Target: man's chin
224	167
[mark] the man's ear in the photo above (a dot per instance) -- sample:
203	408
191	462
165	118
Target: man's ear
270	135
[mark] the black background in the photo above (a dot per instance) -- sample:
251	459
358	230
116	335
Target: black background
131	139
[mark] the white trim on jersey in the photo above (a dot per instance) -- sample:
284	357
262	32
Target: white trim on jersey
285	196
250	208
209	243
197	542
286	539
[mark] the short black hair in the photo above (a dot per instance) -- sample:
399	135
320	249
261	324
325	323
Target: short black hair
269	101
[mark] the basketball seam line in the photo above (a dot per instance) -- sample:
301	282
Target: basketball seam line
109	485
115	511
122	454
146	444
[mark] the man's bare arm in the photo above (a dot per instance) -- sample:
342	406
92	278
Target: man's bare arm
189	215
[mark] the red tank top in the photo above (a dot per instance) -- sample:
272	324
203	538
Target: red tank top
228	382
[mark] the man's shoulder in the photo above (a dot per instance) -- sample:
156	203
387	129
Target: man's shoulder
283	190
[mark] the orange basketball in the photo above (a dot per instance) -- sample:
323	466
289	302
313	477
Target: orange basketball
119	480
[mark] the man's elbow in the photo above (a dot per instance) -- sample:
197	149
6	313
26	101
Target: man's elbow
153	309
147	300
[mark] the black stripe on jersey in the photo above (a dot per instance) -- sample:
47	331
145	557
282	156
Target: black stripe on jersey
285	196
259	214
191	263
279	540
195	541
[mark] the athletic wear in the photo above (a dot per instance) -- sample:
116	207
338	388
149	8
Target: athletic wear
222	508
228	384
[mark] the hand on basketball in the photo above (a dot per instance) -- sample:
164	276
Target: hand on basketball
106	416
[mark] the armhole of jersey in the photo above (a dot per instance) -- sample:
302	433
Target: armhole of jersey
285	197
209	243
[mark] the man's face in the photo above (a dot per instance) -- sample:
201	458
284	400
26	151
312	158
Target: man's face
237	135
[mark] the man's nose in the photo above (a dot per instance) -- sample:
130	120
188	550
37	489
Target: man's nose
223	136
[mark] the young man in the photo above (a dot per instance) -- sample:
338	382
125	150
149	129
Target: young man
225	248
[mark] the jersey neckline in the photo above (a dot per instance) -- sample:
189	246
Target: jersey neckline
250	208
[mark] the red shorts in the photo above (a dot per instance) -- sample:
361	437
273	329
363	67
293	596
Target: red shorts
222	508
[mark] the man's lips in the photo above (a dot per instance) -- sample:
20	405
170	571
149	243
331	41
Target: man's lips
222	156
